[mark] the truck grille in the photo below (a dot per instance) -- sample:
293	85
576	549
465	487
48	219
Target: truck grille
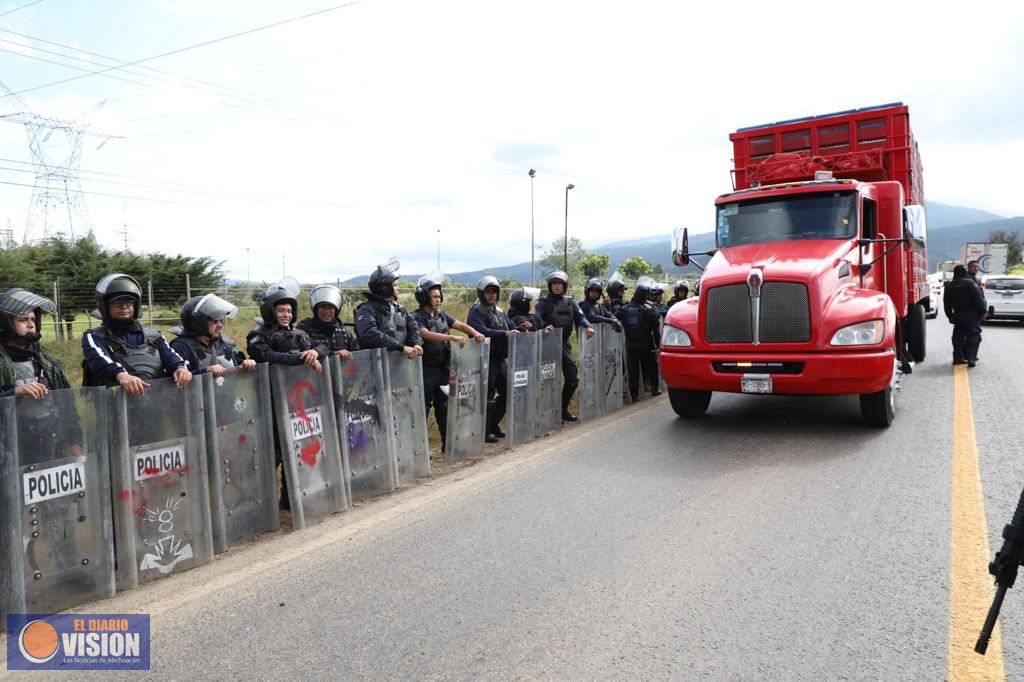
785	314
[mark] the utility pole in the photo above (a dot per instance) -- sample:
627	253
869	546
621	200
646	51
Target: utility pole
533	249
565	238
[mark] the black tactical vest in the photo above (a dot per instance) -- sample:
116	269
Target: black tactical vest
209	355
558	312
288	340
436	354
142	361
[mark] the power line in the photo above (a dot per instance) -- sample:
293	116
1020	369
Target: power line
191	47
12	11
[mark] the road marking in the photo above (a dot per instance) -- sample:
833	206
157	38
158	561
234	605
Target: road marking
970	586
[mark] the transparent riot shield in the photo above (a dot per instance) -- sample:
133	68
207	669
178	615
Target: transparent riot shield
56	535
359	402
591	370
408	416
308	436
240	454
467	401
523	389
613	347
550	415
161	489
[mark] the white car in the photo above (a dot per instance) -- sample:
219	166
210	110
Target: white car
1005	296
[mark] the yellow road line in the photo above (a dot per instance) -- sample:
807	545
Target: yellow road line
970	586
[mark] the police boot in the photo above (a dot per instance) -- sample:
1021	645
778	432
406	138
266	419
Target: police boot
490	437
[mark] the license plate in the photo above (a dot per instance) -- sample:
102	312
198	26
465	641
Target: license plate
756	383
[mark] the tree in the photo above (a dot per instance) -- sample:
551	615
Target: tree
635	266
1013	244
555	260
594	265
658	270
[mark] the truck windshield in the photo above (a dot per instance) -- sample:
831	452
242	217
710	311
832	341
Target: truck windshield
823	215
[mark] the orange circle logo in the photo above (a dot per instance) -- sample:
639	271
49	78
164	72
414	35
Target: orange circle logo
38	641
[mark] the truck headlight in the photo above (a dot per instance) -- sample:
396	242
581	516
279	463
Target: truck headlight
675	337
860	334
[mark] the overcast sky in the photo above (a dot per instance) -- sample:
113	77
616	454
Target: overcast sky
364	130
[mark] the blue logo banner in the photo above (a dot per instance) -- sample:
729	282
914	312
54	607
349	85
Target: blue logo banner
83	641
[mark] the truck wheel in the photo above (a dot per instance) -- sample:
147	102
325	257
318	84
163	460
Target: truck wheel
689	403
879	408
915	328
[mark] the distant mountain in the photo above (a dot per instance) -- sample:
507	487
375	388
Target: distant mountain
949	227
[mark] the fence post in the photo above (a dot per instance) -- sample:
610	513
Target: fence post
188	286
57	330
149	291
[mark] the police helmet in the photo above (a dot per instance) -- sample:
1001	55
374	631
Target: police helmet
325	294
616	286
520	299
425	285
21	302
487	282
284	291
681	285
199	311
644	286
115	286
558	276
594	285
382	280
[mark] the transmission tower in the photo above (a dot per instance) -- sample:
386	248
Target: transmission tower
7	236
58	204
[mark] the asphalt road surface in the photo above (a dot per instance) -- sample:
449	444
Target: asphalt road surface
776	538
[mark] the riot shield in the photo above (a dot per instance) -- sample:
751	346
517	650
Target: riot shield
523	389
550	415
359	402
408	416
591	370
467	401
161	489
56	535
613	352
308	437
240	454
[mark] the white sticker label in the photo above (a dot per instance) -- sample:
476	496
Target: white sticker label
159	461
308	426
730	209
547	370
58	481
467	389
521	378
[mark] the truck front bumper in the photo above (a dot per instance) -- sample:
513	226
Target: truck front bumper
826	373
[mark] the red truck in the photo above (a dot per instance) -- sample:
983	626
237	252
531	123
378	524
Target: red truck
817	282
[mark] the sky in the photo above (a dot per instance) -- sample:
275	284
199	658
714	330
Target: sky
328	144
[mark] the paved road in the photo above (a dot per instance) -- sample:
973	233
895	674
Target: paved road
775	538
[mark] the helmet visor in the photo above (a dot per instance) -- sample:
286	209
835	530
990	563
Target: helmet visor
531	293
215	307
325	293
21	302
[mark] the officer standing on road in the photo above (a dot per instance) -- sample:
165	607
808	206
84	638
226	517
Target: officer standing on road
324	327
616	293
641	323
657	299
680	292
965	308
435	327
557	309
120	351
201	341
380	321
519	311
27	370
487	318
593	309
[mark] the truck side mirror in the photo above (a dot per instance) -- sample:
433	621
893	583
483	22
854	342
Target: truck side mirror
680	247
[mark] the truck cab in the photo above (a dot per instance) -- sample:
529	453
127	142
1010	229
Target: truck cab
816	286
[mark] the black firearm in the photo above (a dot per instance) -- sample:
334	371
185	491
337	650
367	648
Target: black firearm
1004	568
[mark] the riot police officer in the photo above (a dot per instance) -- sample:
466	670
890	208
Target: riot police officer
557	309
679	293
381	322
965	308
616	293
121	351
276	340
519	311
435	327
26	368
324	327
657	296
641	322
487	318
201	341
592	307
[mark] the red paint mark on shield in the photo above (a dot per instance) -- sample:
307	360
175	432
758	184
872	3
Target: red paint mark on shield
308	453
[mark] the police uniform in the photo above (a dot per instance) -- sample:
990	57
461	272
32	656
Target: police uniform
494	323
965	305
436	363
640	322
331	335
563	312
382	323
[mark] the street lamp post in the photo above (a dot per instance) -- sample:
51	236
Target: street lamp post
248	274
565	237
533	249
439	249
